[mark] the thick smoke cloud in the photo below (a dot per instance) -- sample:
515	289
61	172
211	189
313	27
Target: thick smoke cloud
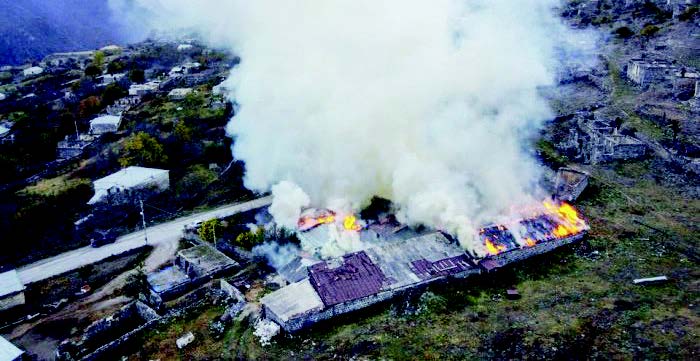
426	103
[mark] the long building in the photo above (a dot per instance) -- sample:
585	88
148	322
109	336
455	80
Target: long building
390	266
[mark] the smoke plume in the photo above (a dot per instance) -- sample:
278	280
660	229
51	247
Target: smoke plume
426	103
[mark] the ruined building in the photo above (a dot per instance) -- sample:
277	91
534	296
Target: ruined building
395	265
596	141
646	72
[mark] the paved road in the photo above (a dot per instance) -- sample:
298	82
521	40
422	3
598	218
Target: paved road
163	236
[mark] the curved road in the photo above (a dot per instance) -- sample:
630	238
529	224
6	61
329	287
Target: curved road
164	237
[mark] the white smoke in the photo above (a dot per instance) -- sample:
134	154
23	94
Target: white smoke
277	255
289	199
426	103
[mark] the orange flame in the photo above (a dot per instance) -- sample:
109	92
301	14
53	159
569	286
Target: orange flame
570	222
493	248
312	222
350	223
530	242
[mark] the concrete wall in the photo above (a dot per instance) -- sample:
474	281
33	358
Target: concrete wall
11	301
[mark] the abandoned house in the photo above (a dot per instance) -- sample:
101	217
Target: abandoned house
11	291
596	141
130	179
8	351
645	72
71	147
569	184
606	145
192	267
107	334
105	124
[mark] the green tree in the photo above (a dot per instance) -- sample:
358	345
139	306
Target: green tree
115	66
112	93
98	59
197	179
210	230
93	71
137	76
250	238
142	149
183	132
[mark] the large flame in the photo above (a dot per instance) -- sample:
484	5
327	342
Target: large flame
566	222
570	223
350	223
309	222
494	248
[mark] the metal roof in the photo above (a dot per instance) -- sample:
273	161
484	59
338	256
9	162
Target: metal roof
293	300
10	283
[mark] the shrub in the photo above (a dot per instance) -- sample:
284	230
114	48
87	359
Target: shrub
623	32
137	76
649	31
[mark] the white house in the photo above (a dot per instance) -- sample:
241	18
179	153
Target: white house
11	290
184	47
130	179
111	49
105	124
2	97
111	78
32	71
8	351
179	93
143	89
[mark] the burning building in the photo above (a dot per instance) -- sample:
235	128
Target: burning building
401	260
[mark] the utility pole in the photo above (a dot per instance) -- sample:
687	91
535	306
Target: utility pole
77	135
143	220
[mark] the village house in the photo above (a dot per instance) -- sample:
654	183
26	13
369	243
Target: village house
79	58
105	124
183	69
179	93
111	78
143	89
11	290
128	180
191	268
71	146
122	105
32	71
